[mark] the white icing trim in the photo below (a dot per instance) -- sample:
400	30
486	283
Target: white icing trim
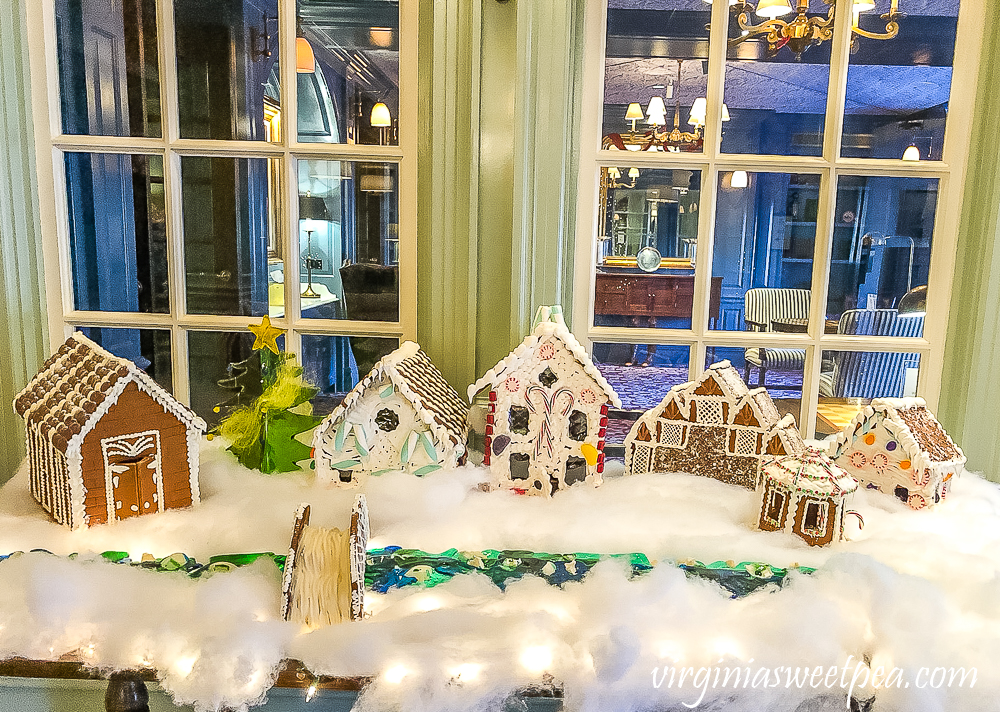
77	491
555	327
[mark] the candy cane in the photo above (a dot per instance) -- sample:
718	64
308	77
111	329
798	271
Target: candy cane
547	405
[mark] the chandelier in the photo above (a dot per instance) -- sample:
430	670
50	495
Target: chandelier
655	139
802	31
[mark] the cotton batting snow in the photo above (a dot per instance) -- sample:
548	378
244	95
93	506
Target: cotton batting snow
913	590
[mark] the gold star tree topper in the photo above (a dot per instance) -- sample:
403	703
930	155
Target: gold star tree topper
266	336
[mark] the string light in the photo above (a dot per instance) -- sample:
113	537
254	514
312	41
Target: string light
396	674
311	691
467	672
536	659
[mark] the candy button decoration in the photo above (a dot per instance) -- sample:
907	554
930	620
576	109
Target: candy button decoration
870	439
891	445
500	443
904	464
589	453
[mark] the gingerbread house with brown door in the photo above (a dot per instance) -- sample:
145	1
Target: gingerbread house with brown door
104	440
714	426
805	495
547	413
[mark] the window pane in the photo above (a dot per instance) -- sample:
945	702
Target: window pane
117	232
765	233
227	224
646	247
882	239
348	72
898	89
108	67
227	69
335	364
224	372
851	379
780	371
349	240
655	73
149	349
777	99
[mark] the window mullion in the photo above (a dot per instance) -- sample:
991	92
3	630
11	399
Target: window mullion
407	170
836	97
167	41
718	46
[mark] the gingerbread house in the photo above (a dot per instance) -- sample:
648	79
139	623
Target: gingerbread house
547	412
804	494
402	416
104	440
714	426
896	446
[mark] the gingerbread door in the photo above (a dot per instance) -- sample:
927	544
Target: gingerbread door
133	482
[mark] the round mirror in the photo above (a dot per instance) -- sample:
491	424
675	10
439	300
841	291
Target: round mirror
648	259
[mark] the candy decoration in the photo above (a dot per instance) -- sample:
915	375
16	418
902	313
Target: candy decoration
545	434
500	443
589	453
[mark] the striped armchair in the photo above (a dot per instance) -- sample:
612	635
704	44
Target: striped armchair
871	374
761	307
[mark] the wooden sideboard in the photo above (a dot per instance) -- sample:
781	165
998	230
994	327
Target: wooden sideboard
651	295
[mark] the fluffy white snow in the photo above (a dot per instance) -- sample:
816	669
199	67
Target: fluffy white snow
914	590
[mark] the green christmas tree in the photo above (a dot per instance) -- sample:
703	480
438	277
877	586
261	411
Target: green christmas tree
262	435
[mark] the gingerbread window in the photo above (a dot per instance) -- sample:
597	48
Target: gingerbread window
518	419
578	426
709	411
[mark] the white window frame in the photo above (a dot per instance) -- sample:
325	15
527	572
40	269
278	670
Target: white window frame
830	166
51	145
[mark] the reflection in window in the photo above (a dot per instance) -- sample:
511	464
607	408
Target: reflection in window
226	226
348	72
849	380
109	80
777	100
898	89
227	69
655	76
881	252
765	235
335	364
647	247
224	372
117	232
149	349
349	240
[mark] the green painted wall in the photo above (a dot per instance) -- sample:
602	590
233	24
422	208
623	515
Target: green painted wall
23	336
970	386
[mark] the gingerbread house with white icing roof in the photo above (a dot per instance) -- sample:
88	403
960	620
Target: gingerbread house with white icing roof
403	416
547	413
714	426
805	495
104	440
896	446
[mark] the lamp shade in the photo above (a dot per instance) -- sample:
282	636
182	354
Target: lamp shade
773	8
698	110
739	179
381	116
656	111
312	207
633	172
914	302
725	112
912	153
614	173
305	59
863	5
634	112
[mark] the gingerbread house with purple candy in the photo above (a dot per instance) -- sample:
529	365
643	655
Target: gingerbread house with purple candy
896	446
547	412
104	440
714	426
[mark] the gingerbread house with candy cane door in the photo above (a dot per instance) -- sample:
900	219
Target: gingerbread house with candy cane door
896	446
547	413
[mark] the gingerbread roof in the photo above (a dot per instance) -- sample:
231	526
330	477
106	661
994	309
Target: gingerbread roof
908	421
550	324
812	472
754	408
420	382
78	384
